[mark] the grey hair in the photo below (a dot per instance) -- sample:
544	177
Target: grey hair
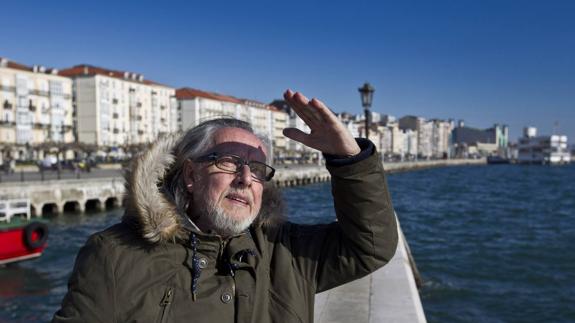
193	144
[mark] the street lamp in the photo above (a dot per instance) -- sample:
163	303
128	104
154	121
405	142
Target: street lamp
366	92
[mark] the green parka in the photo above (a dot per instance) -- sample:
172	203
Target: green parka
152	268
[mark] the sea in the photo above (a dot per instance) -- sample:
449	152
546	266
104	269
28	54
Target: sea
493	243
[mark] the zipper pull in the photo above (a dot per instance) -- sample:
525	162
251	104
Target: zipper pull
167	299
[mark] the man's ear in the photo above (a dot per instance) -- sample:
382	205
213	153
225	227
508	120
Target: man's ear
188	174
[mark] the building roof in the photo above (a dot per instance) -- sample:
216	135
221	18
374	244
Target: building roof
187	93
18	66
89	70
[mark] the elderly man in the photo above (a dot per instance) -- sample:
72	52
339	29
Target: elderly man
201	240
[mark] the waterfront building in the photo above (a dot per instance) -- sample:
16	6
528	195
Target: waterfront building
471	141
349	122
375	135
269	121
533	149
441	138
386	142
424	129
410	145
296	151
36	116
280	121
397	141
386	119
352	127
117	110
196	106
375	117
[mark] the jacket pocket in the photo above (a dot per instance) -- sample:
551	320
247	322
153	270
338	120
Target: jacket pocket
165	305
280	311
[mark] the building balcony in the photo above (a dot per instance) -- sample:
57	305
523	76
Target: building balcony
39	125
6	88
7	123
40	93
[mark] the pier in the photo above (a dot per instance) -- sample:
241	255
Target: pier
73	195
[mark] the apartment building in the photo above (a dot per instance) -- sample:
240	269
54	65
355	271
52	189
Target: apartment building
118	109
296	151
467	140
37	113
196	106
280	121
441	138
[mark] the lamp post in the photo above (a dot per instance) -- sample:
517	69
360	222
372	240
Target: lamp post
366	92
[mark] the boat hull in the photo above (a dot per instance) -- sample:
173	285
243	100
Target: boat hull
22	243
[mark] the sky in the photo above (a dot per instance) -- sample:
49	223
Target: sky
485	62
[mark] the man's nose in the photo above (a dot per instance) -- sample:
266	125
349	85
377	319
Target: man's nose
244	176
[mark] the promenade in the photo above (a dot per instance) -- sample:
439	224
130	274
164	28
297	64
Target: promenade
388	295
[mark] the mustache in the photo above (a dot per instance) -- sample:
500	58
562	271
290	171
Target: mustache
244	194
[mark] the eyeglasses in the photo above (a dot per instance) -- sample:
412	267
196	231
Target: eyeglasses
233	164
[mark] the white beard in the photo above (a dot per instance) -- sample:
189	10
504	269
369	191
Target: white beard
225	224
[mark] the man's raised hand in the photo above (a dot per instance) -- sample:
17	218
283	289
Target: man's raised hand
327	135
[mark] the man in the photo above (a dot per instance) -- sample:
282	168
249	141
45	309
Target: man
197	244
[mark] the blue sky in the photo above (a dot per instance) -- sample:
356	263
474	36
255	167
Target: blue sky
485	62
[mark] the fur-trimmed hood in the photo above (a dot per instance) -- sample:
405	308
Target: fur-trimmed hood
154	215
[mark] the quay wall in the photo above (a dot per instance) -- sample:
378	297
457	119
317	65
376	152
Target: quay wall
57	196
294	176
389	294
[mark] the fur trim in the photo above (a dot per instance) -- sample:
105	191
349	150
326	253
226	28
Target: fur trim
154	216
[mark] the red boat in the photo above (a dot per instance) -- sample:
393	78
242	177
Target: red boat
20	238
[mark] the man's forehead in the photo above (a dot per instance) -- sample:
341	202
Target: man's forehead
238	142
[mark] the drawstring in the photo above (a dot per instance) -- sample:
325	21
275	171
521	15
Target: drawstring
240	257
196	269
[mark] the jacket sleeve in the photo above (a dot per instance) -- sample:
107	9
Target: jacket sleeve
363	239
90	296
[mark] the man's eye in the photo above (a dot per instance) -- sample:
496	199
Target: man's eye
228	163
258	170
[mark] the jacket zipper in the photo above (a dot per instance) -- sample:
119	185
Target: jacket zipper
165	303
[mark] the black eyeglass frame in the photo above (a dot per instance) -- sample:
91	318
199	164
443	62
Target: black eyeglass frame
214	157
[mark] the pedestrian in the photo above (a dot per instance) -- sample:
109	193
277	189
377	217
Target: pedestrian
203	239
